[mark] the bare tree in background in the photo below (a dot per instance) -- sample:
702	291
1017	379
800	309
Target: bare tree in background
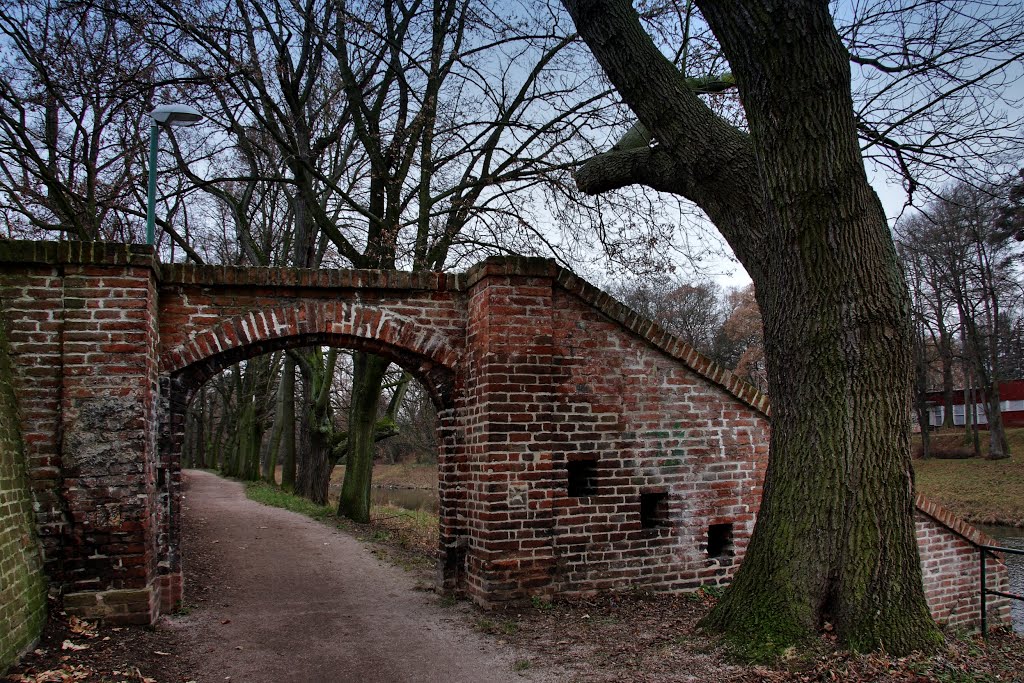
74	87
972	264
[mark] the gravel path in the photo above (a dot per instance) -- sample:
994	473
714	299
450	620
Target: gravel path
282	598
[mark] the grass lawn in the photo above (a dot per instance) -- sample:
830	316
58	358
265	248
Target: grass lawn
414	531
979	490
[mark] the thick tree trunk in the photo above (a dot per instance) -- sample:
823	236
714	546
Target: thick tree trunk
835	539
315	475
367	376
315	461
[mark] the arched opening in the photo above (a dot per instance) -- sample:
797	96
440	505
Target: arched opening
255	363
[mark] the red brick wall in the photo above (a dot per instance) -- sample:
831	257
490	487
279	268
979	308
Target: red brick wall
506	408
583	448
35	318
83	338
950	566
654	428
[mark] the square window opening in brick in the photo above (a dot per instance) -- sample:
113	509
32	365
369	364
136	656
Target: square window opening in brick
582	478
720	540
653	510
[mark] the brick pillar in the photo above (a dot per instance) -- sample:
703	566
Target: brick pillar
506	412
90	431
452	464
108	410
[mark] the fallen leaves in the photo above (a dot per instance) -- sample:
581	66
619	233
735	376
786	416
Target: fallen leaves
654	639
82	627
65	675
73	650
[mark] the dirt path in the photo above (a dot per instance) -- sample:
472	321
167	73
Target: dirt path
278	597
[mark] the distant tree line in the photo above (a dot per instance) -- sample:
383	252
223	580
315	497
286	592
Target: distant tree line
724	325
961	254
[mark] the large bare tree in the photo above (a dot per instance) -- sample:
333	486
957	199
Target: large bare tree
834	541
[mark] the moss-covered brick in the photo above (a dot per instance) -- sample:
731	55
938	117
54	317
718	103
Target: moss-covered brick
22	585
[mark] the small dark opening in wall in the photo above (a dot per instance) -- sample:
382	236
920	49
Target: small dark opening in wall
582	478
653	510
720	540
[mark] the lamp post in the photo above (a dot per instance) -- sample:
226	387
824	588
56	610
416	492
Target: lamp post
163	115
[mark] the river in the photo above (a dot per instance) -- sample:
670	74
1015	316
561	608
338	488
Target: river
1012	537
409	499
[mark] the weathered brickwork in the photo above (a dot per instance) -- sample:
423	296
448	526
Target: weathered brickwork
582	448
950	566
22	582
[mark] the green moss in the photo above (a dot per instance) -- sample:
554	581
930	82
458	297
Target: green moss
22	582
760	627
764	639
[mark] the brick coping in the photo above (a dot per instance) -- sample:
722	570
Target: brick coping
77	253
969	533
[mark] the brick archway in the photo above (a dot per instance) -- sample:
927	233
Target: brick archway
425	353
584	448
429	354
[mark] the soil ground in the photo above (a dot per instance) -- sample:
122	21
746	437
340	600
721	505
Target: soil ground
236	617
275	597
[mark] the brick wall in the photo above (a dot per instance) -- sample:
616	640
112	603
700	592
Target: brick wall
83	340
597	461
950	565
583	448
22	582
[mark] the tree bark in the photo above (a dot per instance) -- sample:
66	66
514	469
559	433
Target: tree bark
287	452
367	376
997	445
946	358
835	539
316	459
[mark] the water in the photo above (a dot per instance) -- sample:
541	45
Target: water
409	499
1012	537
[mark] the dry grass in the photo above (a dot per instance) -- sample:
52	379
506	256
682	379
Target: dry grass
978	490
400	475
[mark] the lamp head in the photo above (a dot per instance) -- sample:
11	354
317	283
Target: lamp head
175	115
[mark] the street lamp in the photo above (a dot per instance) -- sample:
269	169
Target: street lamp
163	115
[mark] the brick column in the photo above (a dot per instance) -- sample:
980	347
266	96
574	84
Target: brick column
85	369
107	410
172	408
506	412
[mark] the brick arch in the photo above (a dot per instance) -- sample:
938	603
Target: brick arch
428	353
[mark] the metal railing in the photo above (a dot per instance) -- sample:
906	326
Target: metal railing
985	590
